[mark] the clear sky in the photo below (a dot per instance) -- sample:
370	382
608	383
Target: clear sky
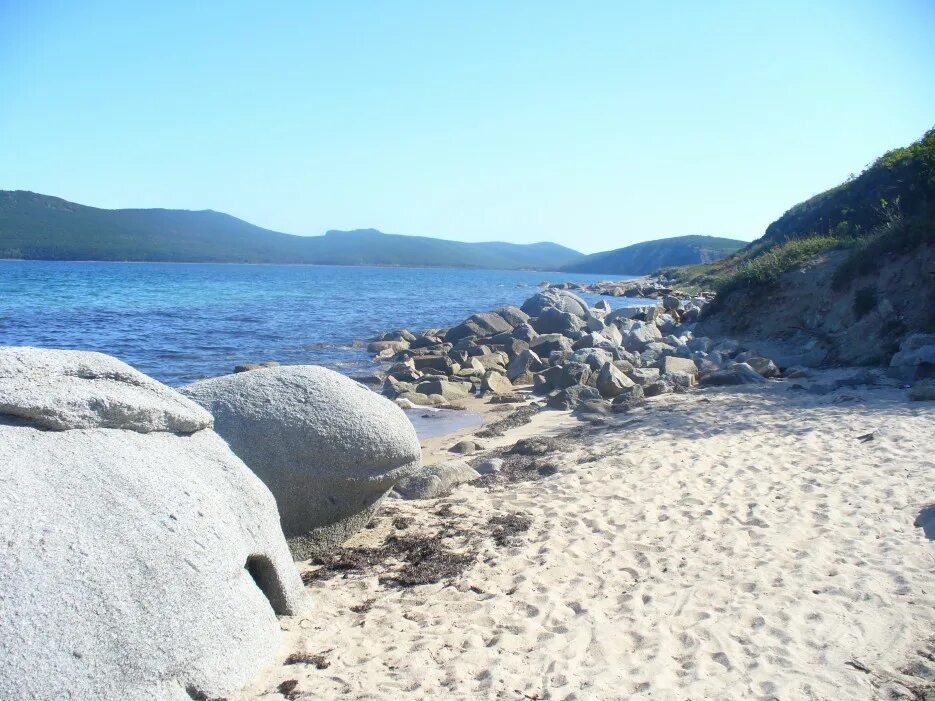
592	124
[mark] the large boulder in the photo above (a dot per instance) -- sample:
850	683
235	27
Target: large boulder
525	363
328	448
140	561
561	299
735	374
916	357
640	336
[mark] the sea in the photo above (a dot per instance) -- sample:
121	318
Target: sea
182	322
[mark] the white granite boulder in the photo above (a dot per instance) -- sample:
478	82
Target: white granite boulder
141	558
328	448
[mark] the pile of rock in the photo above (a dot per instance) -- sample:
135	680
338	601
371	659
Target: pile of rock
571	353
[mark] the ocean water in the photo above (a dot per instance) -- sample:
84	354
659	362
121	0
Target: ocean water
182	322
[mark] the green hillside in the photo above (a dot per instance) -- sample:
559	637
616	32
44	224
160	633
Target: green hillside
647	257
34	226
888	209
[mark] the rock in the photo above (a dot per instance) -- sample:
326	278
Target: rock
627	313
486	324
547	343
915	359
573	397
797	372
637	338
627	398
602	308
441	363
553	320
736	374
644	376
450	391
433	481
654	389
686	366
571	374
62	390
514	316
922	390
327	447
764	366
526	361
671	303
247	367
137	563
495	383
612	333
611	381
466	447
524	332
589	340
728	347
561	299
491	466
392	346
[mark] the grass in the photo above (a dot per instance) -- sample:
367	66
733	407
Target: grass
770	265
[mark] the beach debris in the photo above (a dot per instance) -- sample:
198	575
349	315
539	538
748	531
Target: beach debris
866	437
505	528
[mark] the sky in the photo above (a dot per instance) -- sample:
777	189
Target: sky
593	124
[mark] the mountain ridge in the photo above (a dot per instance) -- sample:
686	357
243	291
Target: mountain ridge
648	256
37	226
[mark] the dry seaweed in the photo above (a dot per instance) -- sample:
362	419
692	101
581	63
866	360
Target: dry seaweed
506	529
287	688
520	417
318	660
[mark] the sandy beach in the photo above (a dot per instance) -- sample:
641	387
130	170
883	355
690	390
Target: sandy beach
756	542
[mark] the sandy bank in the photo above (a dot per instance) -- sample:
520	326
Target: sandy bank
742	543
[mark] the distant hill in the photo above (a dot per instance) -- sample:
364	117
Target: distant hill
34	226
647	257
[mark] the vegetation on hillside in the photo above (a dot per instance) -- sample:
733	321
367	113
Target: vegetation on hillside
34	226
648	256
888	209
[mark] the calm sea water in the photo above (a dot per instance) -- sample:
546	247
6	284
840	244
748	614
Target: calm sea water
182	322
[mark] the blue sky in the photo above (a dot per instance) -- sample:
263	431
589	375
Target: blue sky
594	124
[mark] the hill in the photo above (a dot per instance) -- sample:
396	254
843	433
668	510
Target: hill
34	226
852	268
648	256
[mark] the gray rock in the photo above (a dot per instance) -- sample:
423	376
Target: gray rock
673	365
736	374
380	346
247	367
561	299
62	390
629	397
573	397
644	376
525	362
554	320
327	447
641	334
547	343
433	481
764	366
654	389
571	374
138	563
671	303
923	390
466	447
451	391
495	383
611	381
491	466
514	316
524	332
486	324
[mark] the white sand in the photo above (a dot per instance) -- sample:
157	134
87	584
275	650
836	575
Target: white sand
732	544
